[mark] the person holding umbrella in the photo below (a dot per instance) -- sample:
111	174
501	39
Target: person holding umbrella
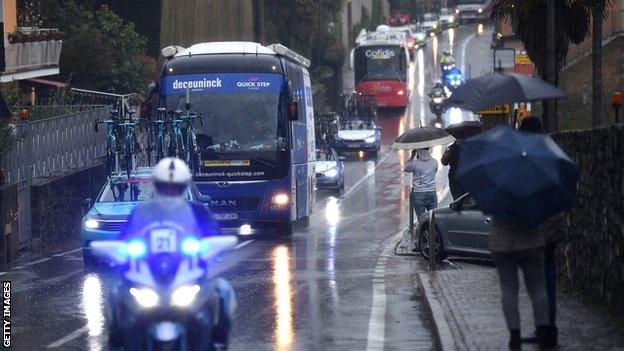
423	168
451	155
519	179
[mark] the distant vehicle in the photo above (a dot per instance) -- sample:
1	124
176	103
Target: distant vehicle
400	19
381	64
358	135
112	207
447	19
472	10
330	170
409	38
257	163
420	40
462	228
431	26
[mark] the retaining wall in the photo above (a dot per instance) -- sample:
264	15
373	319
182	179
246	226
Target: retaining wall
592	256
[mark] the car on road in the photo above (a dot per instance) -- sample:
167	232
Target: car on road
330	170
461	228
358	135
431	25
420	39
447	19
409	38
112	207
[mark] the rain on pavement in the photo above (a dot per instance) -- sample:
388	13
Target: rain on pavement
317	290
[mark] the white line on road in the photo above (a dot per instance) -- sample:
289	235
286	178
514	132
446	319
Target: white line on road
69	337
67	252
463	51
243	244
38	261
359	182
377	321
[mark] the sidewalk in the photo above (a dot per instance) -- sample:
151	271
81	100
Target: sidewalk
467	315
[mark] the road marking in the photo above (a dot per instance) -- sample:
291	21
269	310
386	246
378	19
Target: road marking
67	252
3	273
69	337
17	267
464	45
377	322
243	244
38	261
359	182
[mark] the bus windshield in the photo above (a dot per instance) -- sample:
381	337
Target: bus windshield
242	113
384	62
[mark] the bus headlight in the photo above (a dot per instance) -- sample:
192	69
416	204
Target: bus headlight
184	295
145	297
280	199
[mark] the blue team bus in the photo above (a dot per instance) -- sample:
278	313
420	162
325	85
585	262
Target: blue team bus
257	138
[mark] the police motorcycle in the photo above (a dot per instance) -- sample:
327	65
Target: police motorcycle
165	300
437	97
453	79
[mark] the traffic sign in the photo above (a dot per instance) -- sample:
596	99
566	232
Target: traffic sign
496	110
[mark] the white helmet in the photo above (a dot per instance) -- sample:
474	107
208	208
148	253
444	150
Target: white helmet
171	176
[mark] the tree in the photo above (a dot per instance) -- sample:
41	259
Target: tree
529	18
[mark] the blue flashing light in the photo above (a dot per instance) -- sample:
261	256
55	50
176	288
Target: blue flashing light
191	246
136	248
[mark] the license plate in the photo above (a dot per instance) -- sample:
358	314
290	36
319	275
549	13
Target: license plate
224	216
163	240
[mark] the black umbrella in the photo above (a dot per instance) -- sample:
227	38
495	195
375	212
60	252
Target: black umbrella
422	137
464	129
500	88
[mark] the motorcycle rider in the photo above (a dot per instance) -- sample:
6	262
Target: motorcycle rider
438	91
169	207
437	97
447	58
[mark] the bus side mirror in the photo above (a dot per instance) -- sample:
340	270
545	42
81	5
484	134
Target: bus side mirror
352	59
293	110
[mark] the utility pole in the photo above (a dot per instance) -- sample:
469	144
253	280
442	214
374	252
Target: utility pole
259	22
549	116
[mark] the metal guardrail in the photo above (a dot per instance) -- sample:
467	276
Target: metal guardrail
33	55
55	145
43	112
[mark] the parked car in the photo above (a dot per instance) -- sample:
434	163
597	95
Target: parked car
461	228
112	207
330	170
358	135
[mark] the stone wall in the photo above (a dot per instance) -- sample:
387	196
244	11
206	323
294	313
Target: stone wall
57	206
592	256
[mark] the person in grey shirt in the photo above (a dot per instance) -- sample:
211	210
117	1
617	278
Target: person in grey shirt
423	168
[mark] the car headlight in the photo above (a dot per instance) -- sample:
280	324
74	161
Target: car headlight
456	10
331	173
145	297
184	295
432	34
434	26
480	10
91	224
451	20
370	139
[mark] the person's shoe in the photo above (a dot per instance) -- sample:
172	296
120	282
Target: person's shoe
515	340
546	336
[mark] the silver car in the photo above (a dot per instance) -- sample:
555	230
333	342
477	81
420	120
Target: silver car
462	228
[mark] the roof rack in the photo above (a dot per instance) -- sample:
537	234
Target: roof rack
286	52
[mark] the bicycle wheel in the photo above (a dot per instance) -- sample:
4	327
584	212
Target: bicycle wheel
194	159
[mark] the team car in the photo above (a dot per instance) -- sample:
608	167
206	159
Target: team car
447	19
358	135
112	207
329	170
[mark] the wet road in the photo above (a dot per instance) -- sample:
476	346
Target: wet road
334	285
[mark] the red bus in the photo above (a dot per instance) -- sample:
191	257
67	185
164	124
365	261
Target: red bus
381	64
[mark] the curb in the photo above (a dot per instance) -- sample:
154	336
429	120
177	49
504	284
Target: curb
441	327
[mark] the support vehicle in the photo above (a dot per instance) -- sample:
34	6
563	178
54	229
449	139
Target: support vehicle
381	64
472	11
257	140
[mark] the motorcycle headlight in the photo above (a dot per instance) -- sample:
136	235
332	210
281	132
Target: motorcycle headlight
145	297
434	26
437	100
184	295
331	173
451	20
480	10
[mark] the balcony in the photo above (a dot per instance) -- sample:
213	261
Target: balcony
31	53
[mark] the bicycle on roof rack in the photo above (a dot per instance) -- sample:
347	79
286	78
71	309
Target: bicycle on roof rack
121	138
